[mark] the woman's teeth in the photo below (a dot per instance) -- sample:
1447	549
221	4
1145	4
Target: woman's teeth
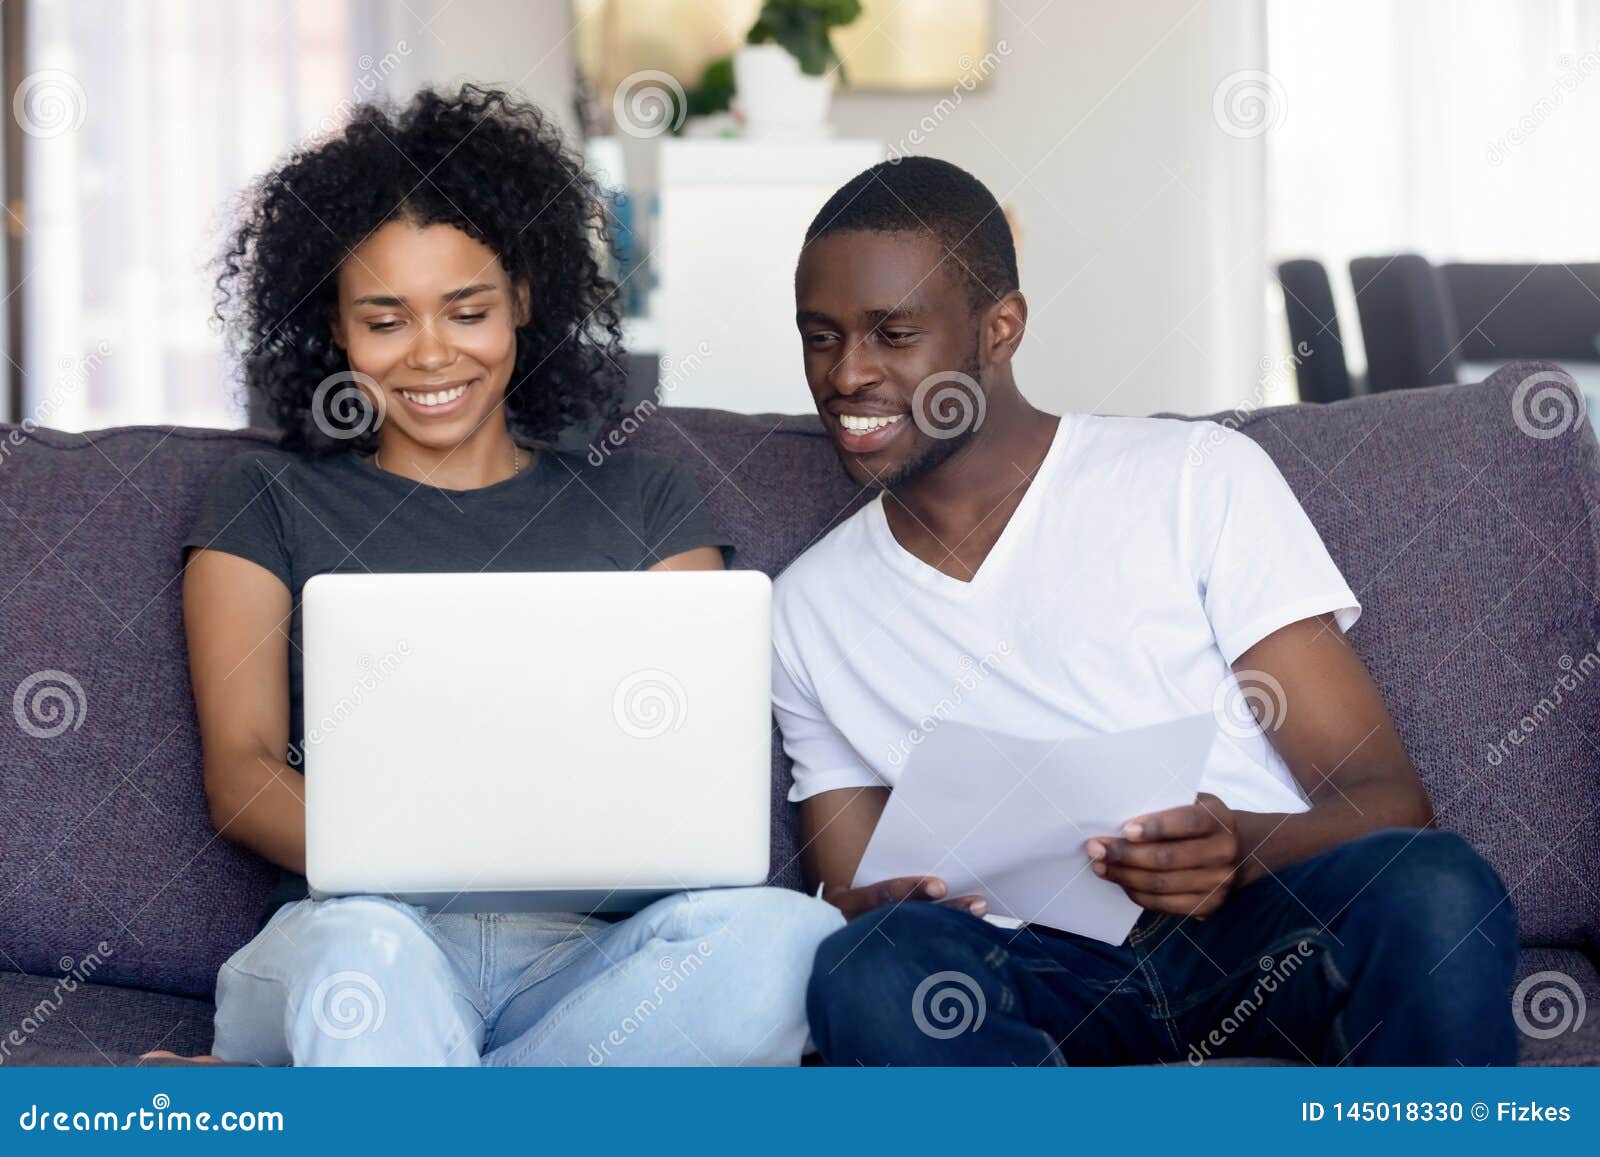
860	424
438	398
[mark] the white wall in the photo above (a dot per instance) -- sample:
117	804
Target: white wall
1141	220
527	45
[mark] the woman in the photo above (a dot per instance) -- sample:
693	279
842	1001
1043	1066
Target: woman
418	301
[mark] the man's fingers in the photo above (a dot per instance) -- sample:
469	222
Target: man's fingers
1165	855
909	888
1178	823
1192	880
972	905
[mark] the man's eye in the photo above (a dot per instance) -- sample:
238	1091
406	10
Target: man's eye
818	339
898	335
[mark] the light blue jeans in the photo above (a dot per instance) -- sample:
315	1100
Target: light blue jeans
699	978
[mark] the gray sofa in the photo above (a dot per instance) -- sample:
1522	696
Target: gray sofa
1473	545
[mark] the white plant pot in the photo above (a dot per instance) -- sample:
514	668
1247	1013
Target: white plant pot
775	98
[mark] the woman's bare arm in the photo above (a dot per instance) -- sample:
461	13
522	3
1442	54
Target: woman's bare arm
236	614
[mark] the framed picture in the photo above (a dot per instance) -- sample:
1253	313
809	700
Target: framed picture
893	45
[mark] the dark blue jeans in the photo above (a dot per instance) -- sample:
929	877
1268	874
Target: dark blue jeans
1398	948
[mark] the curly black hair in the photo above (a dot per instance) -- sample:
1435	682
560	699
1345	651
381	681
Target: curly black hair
477	159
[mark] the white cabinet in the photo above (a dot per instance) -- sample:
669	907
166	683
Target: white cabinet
733	216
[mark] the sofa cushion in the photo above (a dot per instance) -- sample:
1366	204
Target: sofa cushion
1470	542
95	1023
107	836
1559	1013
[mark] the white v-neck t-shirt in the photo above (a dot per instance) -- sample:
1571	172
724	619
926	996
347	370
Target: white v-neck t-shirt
1146	556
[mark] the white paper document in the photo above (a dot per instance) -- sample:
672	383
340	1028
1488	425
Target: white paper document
1006	818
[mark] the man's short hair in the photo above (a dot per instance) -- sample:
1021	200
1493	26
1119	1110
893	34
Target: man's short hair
924	195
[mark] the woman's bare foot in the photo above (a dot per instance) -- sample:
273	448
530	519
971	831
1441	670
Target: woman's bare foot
164	1055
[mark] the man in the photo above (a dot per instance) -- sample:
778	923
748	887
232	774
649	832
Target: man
1111	573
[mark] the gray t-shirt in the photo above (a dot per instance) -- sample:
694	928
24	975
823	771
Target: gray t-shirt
300	516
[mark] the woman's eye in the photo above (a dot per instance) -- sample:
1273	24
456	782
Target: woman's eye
382	326
472	317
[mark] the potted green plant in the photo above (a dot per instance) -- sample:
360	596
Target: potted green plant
784	73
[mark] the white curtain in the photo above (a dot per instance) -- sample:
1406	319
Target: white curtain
1463	131
142	122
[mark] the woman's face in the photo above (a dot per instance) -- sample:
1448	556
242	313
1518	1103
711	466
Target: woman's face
430	315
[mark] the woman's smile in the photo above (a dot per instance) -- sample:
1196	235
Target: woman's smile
437	400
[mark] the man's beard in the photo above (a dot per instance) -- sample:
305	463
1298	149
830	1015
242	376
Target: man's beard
935	452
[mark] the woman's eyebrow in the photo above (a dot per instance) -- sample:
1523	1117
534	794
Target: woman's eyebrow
392	301
465	291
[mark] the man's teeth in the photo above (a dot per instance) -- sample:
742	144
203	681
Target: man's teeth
438	398
860	424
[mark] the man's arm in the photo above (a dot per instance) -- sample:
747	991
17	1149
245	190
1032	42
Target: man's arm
835	827
1339	742
1334	733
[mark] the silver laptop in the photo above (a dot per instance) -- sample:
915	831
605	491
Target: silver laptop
558	742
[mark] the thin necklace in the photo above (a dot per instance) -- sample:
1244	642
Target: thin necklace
516	460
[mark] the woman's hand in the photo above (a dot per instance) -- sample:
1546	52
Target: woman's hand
1182	860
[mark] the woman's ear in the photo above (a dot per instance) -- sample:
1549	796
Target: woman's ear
336	326
521	304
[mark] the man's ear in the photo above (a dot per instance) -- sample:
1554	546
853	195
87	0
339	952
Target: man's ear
521	304
1003	327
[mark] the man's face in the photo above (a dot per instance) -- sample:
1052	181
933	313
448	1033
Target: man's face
891	351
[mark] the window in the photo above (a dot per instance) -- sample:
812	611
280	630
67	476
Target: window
139	124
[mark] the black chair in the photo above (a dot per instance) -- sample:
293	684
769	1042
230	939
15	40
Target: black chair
1509	311
1320	369
1407	322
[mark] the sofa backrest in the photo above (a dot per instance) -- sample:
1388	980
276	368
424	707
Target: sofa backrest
1464	517
1471	544
104	831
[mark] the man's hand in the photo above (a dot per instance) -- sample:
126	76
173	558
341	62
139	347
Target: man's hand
855	902
1181	860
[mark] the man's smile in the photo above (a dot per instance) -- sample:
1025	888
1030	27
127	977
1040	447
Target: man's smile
865	433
